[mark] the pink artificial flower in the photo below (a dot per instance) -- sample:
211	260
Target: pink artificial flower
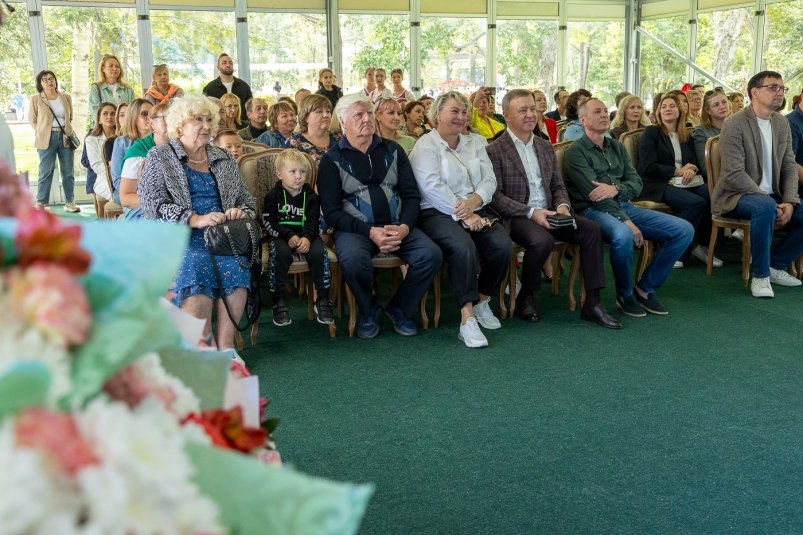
50	299
130	386
14	192
57	435
43	237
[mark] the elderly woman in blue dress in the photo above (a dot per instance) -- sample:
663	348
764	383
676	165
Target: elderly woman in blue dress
456	180
190	182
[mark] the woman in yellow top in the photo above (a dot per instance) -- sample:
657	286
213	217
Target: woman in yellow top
482	118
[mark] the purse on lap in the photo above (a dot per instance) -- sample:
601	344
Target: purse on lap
561	221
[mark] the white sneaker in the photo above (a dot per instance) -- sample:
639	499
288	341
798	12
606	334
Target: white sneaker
678	265
761	287
471	335
701	254
518	287
72	208
485	315
783	278
738	234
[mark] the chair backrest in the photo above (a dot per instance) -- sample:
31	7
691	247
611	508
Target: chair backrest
250	147
713	162
631	142
560	149
561	132
312	178
259	173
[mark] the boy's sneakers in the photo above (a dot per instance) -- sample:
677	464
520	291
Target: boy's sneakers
323	311
281	316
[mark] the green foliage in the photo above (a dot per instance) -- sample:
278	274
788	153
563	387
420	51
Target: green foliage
452	52
601	45
527	54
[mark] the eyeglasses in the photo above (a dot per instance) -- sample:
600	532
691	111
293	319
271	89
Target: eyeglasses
775	88
144	114
157	117
231	106
48	79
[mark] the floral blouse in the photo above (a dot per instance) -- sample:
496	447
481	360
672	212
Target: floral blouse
299	142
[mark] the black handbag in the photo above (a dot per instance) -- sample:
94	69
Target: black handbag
238	238
561	221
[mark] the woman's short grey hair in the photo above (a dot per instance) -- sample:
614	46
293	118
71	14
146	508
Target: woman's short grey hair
440	103
347	101
184	109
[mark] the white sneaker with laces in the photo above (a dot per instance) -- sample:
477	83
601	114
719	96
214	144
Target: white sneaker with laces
678	265
783	278
485	315
761	287
701	254
738	234
471	335
72	208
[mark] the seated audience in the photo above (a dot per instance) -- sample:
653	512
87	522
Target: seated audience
629	116
109	87
712	117
456	180
229	140
759	181
601	182
545	127
574	130
327	87
795	118
137	125
314	120
291	215
256	109
161	90
618	100
282	119
119	118
387	116
482	118
529	190
135	157
104	129
370	198
683	100
231	109
695	106
654	110
300	95
402	95
736	100
559	113
414	123
189	181
668	169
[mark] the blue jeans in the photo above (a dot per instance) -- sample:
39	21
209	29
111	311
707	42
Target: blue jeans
671	235
761	211
47	166
693	205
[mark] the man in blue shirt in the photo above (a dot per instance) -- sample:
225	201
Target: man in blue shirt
795	118
370	198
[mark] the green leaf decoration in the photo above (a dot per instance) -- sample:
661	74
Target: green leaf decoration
24	384
255	499
205	372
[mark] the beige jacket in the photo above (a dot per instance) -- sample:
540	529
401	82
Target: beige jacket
741	153
41	118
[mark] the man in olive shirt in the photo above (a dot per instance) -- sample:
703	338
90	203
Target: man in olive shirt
601	181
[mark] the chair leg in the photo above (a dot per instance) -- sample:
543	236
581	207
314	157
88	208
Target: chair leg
502	308
310	286
574	270
556	257
422	311
709	267
436	287
644	259
352	303
746	258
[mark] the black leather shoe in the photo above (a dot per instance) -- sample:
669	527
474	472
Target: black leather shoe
600	316
525	307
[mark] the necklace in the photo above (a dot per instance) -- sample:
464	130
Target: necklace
196	161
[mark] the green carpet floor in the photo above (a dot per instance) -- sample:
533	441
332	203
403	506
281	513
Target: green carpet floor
689	423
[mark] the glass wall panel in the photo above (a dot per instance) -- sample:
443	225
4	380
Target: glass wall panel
595	58
527	52
725	47
660	71
374	41
18	86
784	34
191	54
288	48
76	38
452	54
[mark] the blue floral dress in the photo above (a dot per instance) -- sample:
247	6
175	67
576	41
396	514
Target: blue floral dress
196	276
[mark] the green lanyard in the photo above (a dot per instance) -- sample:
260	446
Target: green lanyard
286	210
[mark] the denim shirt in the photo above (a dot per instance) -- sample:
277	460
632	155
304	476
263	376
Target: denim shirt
795	118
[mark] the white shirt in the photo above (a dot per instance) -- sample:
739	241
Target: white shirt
228	85
529	160
58	111
94	147
673	137
766	155
113	89
447	176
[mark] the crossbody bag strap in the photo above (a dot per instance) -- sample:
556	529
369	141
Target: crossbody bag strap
54	116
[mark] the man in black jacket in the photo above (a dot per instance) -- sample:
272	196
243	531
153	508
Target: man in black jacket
228	83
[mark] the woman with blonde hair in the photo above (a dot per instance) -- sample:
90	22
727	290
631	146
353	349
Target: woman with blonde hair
161	90
109	87
188	181
387	118
630	115
119	118
137	125
232	109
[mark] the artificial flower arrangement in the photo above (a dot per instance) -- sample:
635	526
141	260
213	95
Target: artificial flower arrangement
108	424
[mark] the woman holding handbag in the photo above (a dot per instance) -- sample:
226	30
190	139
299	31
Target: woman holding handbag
191	182
50	114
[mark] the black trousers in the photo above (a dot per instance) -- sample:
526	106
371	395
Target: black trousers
538	242
478	261
281	256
